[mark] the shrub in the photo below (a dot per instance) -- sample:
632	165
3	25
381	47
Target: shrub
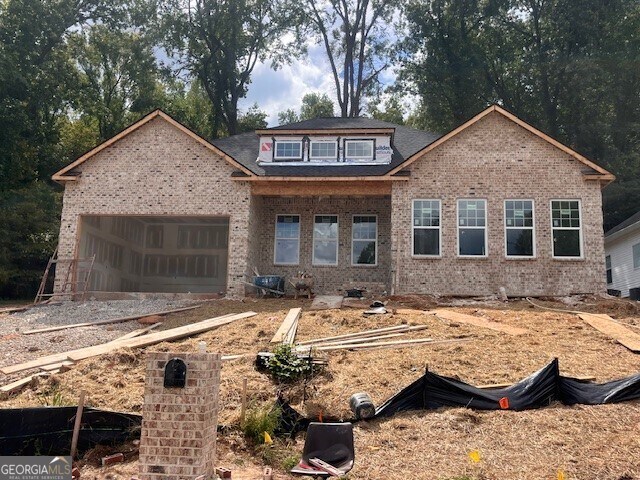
286	366
260	420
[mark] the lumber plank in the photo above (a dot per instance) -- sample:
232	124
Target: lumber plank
363	334
105	322
23	382
368	339
138	332
607	325
287	325
392	344
150	339
478	322
57	366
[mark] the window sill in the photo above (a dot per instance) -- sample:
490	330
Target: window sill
364	265
473	257
426	257
324	265
507	257
568	259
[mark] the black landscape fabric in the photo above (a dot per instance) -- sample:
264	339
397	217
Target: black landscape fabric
48	430
433	391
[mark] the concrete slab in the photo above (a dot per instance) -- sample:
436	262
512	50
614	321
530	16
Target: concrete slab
326	302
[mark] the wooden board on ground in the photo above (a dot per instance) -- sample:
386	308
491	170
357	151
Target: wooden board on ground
326	302
138	332
57	366
286	333
105	322
23	382
150	339
477	322
607	325
362	334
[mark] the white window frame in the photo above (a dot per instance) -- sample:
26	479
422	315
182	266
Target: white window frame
486	227
375	264
633	258
275	238
414	228
315	157
280	142
362	140
553	255
337	240
532	228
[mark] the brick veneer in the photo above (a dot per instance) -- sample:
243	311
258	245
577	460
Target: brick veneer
179	425
327	278
159	170
495	159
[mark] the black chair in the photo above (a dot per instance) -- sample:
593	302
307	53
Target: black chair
330	442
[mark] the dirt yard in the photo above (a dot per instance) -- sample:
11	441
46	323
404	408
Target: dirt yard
582	442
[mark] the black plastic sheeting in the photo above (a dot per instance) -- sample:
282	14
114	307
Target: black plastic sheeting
433	391
48	430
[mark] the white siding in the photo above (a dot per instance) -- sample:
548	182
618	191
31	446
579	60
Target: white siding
620	249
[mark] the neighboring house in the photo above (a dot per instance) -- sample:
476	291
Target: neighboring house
622	257
352	201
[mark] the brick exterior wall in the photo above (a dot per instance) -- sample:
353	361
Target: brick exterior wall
179	425
495	159
159	170
327	278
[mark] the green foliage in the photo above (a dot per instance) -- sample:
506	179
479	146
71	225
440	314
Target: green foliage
286	366
54	398
314	105
259	420
289	462
254	119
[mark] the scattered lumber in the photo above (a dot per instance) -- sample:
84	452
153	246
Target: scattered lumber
14	309
146	340
289	327
105	322
23	382
138	332
392	334
607	325
362	334
508	384
57	366
477	321
389	344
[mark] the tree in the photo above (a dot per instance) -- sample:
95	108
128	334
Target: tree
357	42
393	111
254	119
118	76
314	105
219	42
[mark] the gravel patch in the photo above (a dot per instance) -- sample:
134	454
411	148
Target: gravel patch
17	348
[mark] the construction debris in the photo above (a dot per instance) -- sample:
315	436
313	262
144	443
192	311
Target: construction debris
105	322
607	325
477	322
287	331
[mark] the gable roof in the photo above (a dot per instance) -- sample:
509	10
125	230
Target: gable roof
66	173
599	172
632	220
406	142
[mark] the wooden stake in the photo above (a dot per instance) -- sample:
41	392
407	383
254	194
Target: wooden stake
243	406
76	425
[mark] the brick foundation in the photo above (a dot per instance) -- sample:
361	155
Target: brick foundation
179	424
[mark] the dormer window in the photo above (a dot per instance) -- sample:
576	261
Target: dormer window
288	150
359	149
323	150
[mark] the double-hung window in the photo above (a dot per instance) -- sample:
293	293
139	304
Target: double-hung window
472	228
287	240
364	240
426	228
358	149
519	228
567	228
288	150
323	150
325	240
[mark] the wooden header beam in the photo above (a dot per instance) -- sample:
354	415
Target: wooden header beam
307	189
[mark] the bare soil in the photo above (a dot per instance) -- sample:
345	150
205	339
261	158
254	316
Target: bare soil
583	442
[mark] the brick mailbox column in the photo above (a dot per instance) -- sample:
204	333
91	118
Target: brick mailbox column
178	439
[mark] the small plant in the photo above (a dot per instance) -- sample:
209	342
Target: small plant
286	366
258	421
54	398
289	462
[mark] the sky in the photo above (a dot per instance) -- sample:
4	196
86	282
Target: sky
277	90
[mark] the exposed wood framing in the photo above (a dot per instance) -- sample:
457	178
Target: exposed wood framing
305	189
274	132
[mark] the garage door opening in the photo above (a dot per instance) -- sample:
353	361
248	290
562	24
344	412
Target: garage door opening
156	254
